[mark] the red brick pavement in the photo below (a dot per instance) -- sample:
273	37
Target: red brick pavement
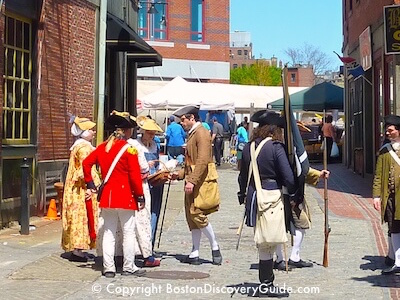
350	196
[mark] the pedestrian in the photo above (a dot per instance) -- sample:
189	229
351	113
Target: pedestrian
175	136
329	132
198	165
275	173
385	191
143	217
121	196
217	139
145	142
79	222
241	140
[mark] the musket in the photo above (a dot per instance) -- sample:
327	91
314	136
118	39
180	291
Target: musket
327	229
163	217
240	229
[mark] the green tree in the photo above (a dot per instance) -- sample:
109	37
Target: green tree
259	73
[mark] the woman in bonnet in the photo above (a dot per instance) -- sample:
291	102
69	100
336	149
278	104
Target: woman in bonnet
79	215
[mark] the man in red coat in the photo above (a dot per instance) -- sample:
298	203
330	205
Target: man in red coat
122	194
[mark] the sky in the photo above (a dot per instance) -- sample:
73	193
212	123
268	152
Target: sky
276	25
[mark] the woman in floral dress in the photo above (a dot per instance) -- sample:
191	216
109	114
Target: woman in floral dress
79	215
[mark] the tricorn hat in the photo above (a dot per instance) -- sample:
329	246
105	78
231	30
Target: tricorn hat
119	120
268	117
146	123
392	120
189	109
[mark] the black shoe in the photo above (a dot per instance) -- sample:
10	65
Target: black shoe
109	274
217	257
191	260
392	270
299	264
269	290
138	273
281	266
77	258
389	261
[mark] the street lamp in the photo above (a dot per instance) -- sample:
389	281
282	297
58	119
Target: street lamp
148	25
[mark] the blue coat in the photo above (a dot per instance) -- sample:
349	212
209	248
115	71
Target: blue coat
275	172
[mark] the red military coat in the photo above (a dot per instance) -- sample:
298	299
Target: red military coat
125	183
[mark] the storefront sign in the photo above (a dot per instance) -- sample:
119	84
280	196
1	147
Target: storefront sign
365	49
392	29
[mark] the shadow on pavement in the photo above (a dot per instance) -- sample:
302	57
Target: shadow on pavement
245	288
390	281
375	263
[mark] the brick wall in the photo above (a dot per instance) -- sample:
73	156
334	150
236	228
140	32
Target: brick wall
216	31
363	14
2	27
68	74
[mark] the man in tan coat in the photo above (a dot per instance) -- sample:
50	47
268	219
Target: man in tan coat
198	156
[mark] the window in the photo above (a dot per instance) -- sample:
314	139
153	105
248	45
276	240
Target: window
239	52
235	66
246	52
152	21
17	106
197	21
292	77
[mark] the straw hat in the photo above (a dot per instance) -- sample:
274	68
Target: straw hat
146	123
84	123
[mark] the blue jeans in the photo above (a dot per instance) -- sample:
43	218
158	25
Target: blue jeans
156	201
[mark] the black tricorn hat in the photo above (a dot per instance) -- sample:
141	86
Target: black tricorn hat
392	120
189	109
120	120
268	117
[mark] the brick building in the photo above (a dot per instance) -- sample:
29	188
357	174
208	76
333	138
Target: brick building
373	93
51	67
192	37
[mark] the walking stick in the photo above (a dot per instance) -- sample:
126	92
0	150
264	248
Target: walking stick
327	229
240	229
163	217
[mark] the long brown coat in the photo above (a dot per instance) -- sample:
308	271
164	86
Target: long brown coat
380	187
199	154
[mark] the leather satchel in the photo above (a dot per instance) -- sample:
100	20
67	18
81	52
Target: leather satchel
270	221
206	195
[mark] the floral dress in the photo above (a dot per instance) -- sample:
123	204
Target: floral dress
75	234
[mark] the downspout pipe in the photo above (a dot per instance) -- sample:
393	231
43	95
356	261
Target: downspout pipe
102	71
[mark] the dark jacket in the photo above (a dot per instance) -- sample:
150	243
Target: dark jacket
275	172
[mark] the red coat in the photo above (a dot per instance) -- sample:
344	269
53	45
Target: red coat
125	183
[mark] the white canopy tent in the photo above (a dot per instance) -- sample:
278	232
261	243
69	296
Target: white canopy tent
211	96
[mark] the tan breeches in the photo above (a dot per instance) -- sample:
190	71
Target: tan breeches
195	217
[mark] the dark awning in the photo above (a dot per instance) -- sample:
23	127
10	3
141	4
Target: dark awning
120	37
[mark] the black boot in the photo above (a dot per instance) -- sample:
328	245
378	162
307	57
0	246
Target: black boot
266	276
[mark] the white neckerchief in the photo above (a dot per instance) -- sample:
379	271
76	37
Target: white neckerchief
395	145
80	141
194	127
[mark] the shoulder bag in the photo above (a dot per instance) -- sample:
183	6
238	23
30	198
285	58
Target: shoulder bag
270	221
116	159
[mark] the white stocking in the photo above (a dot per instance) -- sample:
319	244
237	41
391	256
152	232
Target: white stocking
297	240
196	237
279	253
396	248
209	233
